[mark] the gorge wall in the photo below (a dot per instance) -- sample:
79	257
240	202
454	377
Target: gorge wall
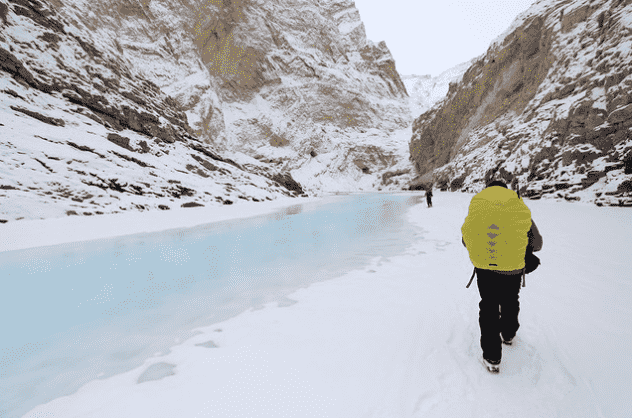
133	105
277	80
547	108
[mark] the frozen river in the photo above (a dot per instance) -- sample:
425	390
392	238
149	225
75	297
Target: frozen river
94	309
343	307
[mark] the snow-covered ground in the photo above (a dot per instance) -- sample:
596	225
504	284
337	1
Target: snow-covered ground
337	169
54	231
53	171
400	338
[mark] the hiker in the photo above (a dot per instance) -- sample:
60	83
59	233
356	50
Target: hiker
499	264
429	197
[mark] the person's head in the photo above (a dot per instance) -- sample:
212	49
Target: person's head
496	183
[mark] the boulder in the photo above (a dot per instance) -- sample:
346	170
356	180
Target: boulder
39	116
627	163
121	141
191	205
457	183
621	114
601	138
591	178
288	182
11	64
625	187
144	147
4	10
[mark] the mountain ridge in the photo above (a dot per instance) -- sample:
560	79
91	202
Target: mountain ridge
140	100
546	108
425	91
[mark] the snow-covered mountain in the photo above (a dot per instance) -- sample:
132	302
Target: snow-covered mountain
548	106
425	91
109	106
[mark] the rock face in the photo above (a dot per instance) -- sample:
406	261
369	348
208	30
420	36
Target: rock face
301	76
131	93
85	131
291	67
276	79
548	107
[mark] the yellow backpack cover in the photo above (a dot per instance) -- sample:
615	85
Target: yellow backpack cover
495	229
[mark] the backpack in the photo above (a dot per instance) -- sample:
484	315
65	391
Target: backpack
495	230
531	261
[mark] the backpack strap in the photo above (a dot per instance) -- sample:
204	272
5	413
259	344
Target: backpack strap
474	273
472	278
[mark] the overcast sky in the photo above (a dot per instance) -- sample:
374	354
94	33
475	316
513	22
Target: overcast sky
429	36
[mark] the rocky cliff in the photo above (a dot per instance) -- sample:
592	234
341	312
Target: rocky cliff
328	101
118	105
548	107
277	80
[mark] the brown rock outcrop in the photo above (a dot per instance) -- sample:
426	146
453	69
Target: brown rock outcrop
503	81
545	105
268	74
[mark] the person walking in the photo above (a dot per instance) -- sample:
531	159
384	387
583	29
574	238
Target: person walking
499	235
429	196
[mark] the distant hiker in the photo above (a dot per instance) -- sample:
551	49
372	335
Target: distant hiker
499	235
429	197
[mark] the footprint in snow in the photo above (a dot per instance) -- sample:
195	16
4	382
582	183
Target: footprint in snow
156	372
207	344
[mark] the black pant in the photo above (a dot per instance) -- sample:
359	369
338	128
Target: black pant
429	201
499	309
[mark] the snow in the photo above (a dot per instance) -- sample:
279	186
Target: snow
335	171
397	338
425	91
536	9
27	140
55	231
346	27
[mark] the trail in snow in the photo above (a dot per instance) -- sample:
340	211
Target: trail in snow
399	338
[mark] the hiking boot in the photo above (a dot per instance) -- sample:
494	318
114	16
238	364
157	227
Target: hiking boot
492	366
508	341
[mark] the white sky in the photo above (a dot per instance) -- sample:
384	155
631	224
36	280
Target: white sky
429	37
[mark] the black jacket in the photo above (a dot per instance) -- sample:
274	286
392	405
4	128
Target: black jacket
535	239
